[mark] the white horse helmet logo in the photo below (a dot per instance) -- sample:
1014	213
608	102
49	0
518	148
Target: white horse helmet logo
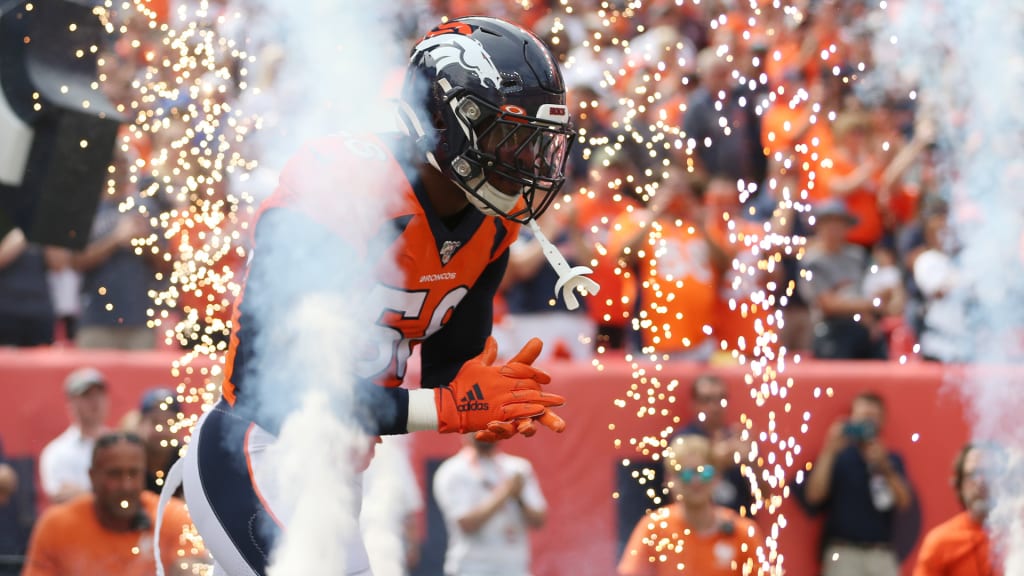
459	50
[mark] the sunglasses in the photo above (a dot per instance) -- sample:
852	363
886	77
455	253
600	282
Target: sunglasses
705	473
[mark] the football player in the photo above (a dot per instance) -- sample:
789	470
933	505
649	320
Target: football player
487	137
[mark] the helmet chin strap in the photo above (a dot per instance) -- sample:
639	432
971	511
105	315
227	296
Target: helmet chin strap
503	202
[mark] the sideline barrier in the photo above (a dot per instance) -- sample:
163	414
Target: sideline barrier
579	469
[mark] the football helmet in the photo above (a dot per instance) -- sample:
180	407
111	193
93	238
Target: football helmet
485	100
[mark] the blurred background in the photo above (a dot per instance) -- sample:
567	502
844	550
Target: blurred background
765	193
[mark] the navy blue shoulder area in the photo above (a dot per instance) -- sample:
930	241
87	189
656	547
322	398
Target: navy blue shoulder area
500	232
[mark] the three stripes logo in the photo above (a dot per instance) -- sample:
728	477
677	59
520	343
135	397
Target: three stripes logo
473	400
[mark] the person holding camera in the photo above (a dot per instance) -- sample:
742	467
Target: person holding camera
859	485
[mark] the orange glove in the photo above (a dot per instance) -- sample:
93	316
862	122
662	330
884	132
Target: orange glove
498	430
482	393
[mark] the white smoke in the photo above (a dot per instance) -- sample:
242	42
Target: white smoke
320	69
324	65
391	500
315	454
967	59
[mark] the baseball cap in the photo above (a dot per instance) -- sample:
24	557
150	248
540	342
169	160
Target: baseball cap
834	209
153	397
81	380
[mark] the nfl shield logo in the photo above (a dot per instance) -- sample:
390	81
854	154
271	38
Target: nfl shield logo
448	250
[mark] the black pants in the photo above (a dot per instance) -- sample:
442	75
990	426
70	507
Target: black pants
846	339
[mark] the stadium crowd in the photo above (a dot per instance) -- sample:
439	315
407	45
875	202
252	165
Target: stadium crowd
746	147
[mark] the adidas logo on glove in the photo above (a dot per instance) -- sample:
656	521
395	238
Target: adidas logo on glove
473	400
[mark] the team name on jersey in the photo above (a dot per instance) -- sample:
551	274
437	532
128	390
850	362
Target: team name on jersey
438	277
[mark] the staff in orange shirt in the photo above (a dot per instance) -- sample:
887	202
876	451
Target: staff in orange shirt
692	535
110	530
960	546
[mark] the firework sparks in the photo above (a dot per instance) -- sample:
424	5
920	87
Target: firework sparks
645	75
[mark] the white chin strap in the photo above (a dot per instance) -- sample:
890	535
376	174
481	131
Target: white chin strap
501	201
570	279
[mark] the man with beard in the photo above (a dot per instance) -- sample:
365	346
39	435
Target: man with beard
960	546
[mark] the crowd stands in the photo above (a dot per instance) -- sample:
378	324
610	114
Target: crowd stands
725	127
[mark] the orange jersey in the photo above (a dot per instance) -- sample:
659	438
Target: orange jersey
208	297
347	219
957	547
663	544
68	540
677	281
810	149
740	307
595	214
862	203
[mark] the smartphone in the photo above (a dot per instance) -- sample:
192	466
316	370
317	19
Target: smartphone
860	431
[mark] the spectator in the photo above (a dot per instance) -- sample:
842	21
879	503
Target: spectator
709	396
741	306
831	279
489	500
937	277
797	331
854	177
596	207
960	546
65	284
859	485
678	269
723	134
17	511
110	530
26	312
692	532
115	279
64	462
154	423
8	483
885	280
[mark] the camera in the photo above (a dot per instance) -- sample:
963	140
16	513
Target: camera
860	431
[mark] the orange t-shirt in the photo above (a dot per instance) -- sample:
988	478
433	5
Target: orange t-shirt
862	203
68	540
677	281
809	153
783	57
663	544
957	547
